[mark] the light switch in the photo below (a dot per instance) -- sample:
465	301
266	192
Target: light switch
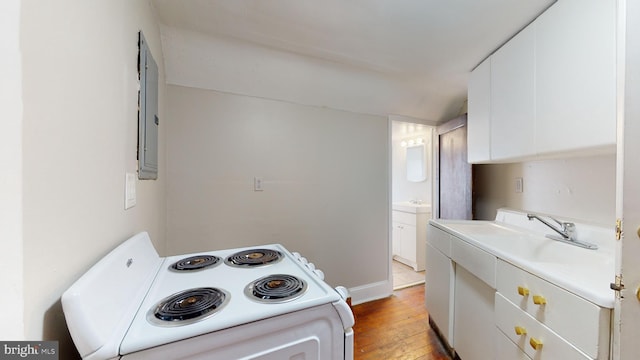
519	185
130	191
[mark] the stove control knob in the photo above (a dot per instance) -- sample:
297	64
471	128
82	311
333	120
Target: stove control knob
319	273
304	260
344	293
311	266
296	255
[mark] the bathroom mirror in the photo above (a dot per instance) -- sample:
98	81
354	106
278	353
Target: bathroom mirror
416	169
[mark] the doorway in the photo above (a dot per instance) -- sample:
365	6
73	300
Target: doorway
411	196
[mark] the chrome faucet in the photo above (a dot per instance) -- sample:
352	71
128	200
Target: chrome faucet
567	232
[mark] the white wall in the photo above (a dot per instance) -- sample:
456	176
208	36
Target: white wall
79	139
580	188
325	181
233	66
11	275
401	188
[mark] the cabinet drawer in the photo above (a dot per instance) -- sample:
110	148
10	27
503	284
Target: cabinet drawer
477	261
403	217
439	240
552	347
580	322
506	349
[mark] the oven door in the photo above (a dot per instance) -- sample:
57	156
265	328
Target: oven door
348	344
315	333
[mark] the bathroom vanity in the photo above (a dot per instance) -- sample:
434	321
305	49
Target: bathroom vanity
502	290
409	223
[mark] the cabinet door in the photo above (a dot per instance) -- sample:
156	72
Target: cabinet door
422	221
576	75
404	244
512	97
395	238
474	325
479	114
439	287
408	244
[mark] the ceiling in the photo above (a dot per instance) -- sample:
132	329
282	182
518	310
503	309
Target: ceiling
431	45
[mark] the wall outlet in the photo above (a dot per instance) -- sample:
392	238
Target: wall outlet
519	185
257	184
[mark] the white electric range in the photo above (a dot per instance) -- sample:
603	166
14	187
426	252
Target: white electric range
260	302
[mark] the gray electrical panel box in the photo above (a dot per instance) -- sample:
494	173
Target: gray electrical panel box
147	113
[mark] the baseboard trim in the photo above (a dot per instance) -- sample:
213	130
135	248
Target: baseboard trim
369	292
404	286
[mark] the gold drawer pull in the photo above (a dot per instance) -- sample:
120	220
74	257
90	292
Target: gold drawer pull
523	291
535	343
520	330
539	300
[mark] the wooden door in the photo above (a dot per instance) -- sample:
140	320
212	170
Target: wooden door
454	172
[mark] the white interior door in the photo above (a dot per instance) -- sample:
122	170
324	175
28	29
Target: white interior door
627	313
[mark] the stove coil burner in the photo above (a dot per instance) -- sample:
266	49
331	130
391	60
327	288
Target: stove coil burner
189	306
196	262
254	257
276	288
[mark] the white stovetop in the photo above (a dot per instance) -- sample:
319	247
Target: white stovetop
515	239
239	310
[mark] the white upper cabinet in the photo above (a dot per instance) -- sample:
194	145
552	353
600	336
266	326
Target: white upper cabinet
552	88
479	114
512	97
576	75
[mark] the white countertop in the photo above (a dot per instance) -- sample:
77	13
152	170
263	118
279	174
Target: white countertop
411	207
586	273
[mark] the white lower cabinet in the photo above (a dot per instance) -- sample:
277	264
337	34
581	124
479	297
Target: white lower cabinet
487	308
508	350
473	325
460	303
439	290
581	323
530	336
404	244
407	238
